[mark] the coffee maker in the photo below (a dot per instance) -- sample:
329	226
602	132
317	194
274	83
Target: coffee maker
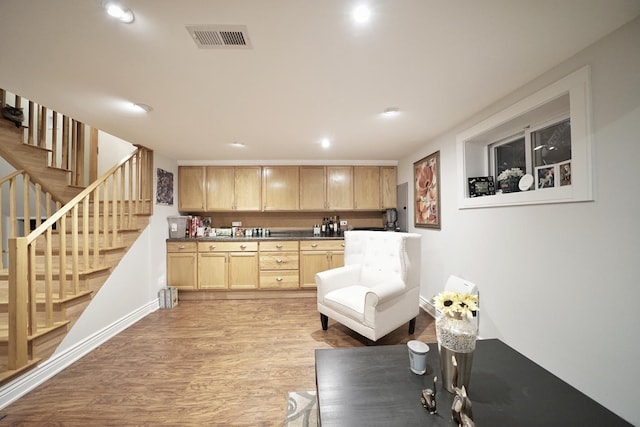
391	219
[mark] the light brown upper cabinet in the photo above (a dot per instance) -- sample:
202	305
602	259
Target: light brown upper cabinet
388	186
366	183
340	187
191	188
234	188
220	188
286	188
280	188
313	183
248	187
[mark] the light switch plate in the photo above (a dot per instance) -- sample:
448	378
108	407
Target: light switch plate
343	222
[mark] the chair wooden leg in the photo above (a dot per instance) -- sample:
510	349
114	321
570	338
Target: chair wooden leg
324	319
412	326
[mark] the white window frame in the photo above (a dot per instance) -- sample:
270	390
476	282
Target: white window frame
473	150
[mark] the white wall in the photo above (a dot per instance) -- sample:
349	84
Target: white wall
558	282
111	150
136	280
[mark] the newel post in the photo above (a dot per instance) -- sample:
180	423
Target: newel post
18	316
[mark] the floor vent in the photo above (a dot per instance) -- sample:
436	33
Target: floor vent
220	36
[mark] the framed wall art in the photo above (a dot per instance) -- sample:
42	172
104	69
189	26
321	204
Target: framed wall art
164	195
426	179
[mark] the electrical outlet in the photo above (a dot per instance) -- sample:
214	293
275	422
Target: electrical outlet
343	222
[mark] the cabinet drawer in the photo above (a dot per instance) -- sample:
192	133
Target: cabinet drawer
278	246
279	279
322	245
279	261
181	246
215	246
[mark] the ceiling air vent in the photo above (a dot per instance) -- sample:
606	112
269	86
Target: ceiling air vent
220	36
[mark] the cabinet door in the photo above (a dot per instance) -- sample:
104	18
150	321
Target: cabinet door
243	270
220	188
339	187
312	188
182	270
337	259
366	187
388	187
311	262
280	188
191	188
212	270
248	184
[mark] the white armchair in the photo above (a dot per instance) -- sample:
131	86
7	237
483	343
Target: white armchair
378	288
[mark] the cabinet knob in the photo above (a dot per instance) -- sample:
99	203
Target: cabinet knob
243	246
314	245
212	247
278	279
342	244
279	246
279	261
181	247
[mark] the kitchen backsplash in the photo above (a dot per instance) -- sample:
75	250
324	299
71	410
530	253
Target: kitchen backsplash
293	220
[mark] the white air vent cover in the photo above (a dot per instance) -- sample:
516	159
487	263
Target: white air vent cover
220	36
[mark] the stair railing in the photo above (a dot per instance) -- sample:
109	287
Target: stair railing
64	136
36	203
122	193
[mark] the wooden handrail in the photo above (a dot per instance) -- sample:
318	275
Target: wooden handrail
110	191
87	191
67	149
10	176
30	191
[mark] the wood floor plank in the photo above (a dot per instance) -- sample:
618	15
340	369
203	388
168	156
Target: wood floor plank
202	363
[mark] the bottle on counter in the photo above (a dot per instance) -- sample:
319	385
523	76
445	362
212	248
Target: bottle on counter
323	227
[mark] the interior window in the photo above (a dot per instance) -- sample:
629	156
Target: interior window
510	155
552	144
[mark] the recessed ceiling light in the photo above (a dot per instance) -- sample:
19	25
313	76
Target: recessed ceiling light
391	112
142	108
361	14
326	143
117	11
237	144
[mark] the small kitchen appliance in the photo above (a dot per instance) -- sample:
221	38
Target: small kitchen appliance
391	219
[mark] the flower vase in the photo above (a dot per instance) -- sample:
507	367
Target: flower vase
510	185
457	337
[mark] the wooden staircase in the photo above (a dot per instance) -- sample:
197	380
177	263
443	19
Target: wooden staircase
52	272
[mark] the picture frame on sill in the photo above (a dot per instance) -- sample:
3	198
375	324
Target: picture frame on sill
426	179
564	173
546	176
481	186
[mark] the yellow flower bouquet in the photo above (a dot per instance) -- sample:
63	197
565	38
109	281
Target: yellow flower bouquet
456	304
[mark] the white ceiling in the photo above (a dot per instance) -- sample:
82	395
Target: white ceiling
311	73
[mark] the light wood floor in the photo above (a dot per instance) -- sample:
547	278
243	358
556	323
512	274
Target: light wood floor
203	363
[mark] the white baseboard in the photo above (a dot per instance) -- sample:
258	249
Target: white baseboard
17	388
428	306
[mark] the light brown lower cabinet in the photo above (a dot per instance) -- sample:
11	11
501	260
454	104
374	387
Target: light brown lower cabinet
182	269
216	265
227	265
319	255
279	265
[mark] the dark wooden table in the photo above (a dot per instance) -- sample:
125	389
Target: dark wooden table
373	386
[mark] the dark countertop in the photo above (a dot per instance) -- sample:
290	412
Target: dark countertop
275	235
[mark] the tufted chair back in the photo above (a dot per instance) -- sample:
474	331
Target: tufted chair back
378	288
380	255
